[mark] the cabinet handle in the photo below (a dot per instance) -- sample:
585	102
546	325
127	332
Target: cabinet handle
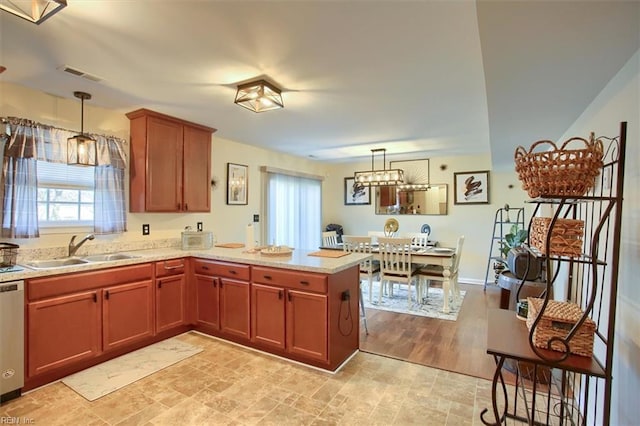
304	282
289	296
178	206
206	268
95	298
215	284
280	294
159	284
267	277
186	206
169	268
220	283
106	294
232	272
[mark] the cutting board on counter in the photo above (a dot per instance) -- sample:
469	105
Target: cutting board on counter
230	245
329	253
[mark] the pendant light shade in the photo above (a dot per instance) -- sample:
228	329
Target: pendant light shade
81	149
259	96
36	11
379	177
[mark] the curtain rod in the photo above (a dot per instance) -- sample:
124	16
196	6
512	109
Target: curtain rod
31	123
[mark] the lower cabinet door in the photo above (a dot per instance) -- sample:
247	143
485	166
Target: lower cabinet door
127	314
62	331
170	302
234	307
267	315
307	324
207	301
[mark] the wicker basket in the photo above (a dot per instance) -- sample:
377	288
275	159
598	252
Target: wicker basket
555	172
8	254
566	236
557	320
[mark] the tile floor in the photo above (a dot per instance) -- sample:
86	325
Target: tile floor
229	385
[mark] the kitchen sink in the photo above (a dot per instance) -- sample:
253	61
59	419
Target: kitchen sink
109	257
74	261
55	263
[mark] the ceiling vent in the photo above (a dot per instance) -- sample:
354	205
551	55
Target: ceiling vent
79	73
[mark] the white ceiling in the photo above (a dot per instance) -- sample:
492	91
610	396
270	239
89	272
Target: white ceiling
427	78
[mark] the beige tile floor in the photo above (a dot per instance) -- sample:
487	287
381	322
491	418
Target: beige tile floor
227	384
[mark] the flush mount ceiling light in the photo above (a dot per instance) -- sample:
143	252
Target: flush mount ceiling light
36	11
81	149
382	176
259	96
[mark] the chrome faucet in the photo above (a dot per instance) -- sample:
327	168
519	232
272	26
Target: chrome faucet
73	248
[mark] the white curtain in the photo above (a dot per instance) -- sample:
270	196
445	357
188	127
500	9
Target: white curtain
294	212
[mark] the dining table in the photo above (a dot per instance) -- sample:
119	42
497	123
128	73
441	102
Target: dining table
431	255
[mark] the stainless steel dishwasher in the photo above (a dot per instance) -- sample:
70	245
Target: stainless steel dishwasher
11	339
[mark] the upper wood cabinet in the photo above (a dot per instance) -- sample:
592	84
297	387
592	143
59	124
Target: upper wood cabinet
170	164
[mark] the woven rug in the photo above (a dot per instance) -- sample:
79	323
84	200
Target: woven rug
102	379
430	307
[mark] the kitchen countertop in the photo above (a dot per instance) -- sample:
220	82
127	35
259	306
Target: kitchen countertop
298	260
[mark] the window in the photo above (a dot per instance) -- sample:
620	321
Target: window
294	213
65	195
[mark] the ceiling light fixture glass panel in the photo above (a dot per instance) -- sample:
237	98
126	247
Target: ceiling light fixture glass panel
36	11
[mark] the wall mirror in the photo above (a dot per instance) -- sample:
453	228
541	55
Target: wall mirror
394	200
405	199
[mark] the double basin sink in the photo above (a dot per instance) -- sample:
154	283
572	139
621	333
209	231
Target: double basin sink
72	261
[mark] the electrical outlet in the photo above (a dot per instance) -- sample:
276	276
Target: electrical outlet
199	226
256	218
145	229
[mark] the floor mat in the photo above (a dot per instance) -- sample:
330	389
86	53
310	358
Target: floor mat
102	379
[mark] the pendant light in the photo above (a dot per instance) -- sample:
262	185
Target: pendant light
380	177
81	149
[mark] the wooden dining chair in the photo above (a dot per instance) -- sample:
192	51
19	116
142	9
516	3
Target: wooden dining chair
329	238
368	268
429	273
418	239
395	265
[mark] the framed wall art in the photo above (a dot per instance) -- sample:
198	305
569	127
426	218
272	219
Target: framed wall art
237	184
355	193
471	187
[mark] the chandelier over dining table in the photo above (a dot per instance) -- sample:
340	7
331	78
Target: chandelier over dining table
379	177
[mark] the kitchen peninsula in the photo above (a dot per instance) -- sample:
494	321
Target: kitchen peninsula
297	306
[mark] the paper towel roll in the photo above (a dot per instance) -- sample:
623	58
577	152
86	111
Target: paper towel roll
250	240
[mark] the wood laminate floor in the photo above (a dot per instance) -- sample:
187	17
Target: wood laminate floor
458	346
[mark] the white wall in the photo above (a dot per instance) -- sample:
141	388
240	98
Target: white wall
475	222
620	101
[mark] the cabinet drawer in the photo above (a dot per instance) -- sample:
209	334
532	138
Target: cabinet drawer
290	279
222	269
170	267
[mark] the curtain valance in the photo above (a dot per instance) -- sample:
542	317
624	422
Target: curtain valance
25	138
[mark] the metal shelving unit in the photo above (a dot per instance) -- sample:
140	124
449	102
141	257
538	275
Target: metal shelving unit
502	223
578	388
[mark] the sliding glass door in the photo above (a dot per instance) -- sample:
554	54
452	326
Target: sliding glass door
294	211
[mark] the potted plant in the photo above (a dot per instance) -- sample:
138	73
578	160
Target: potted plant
515	238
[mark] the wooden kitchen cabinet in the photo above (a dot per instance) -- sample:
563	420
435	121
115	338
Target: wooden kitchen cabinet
289	311
63	330
127	314
171	294
222	298
307	324
170	167
77	317
268	315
